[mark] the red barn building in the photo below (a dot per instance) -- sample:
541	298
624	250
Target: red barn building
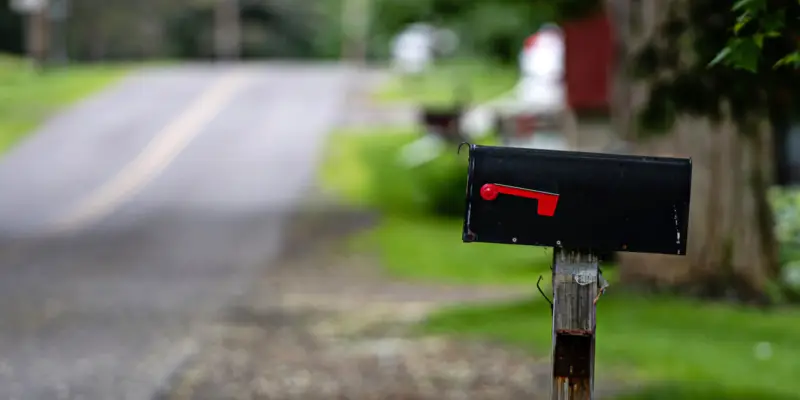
588	61
588	67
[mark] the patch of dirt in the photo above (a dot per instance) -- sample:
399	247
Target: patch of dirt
325	324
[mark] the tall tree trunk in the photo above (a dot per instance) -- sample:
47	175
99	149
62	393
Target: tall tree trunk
37	37
355	25
227	30
732	251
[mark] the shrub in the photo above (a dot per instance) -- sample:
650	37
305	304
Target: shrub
444	181
436	187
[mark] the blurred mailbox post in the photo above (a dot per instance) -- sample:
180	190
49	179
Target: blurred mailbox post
581	204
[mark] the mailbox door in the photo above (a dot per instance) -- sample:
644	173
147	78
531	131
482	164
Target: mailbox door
599	202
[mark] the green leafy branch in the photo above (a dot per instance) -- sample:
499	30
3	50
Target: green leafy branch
755	23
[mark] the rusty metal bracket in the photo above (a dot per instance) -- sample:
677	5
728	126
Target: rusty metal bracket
602	284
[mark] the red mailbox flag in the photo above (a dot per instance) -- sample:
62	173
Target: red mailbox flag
547	201
589	58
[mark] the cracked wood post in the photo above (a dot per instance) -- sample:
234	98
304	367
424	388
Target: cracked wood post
575	288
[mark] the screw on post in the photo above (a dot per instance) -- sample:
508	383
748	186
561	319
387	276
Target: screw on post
581	205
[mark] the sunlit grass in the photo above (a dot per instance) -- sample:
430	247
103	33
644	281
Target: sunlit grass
431	250
345	172
687	349
438	86
28	98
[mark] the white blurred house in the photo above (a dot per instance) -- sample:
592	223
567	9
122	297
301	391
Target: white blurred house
413	49
541	89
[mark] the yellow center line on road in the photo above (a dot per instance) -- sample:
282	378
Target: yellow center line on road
156	156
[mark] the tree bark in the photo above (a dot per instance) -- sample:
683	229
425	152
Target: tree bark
732	251
355	25
227	30
37	37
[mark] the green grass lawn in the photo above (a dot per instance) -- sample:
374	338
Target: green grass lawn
28	98
686	349
437	87
345	171
431	250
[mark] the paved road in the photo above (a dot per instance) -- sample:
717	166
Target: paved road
129	220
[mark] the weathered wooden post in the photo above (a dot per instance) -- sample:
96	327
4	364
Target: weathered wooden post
576	286
581	204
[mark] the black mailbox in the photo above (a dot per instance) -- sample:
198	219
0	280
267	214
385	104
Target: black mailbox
577	200
444	123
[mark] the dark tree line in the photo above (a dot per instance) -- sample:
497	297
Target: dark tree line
153	29
117	29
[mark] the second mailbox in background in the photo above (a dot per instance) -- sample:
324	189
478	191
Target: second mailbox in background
592	201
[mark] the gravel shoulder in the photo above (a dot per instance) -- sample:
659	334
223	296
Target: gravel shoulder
327	324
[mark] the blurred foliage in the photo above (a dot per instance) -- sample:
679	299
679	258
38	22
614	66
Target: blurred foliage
268	29
11	33
142	29
365	167
677	65
493	30
434	188
786	206
757	22
442	85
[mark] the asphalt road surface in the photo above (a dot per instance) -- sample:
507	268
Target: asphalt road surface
129	220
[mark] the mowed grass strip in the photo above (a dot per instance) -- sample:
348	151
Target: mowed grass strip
28	98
